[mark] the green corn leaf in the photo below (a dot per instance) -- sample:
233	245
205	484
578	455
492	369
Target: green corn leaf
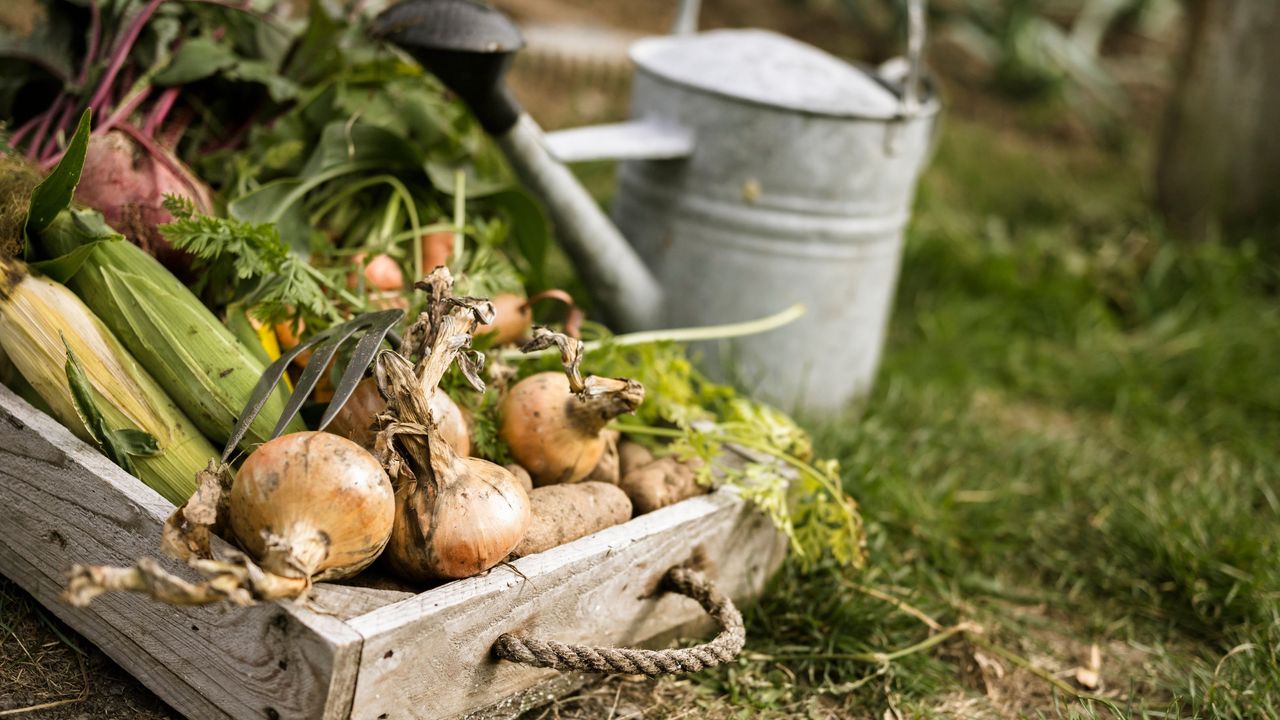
54	194
529	227
62	269
118	445
210	392
136	443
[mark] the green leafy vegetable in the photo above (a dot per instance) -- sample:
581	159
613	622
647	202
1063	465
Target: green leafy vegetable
63	268
529	229
483	410
134	442
488	270
313	58
281	89
803	497
198	58
275	283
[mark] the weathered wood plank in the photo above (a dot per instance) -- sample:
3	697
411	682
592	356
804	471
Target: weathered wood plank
348	601
62	502
543	693
428	656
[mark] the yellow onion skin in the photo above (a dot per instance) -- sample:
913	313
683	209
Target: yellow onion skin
312	504
555	434
465	523
513	319
356	420
455	516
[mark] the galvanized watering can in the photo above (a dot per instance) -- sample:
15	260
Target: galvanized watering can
757	172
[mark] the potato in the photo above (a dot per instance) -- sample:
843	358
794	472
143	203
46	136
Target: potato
632	456
663	482
562	513
522	475
607	470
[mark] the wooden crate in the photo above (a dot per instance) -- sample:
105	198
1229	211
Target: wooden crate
355	652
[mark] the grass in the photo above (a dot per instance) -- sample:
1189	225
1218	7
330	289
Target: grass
1073	442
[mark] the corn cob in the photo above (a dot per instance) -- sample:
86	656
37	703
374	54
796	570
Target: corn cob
193	356
37	316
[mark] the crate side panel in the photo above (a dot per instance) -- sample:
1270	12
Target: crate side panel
428	657
62	502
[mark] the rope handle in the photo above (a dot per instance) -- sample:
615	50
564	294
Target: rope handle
630	661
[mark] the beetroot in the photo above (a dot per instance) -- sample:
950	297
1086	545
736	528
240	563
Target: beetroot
127	182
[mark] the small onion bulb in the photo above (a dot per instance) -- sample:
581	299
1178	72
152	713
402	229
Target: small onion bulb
557	434
311	505
470	521
304	507
358	417
513	318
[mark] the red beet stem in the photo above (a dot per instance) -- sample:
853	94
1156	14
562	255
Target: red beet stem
123	111
173	133
24	130
95	38
37	140
120	53
160	111
51	148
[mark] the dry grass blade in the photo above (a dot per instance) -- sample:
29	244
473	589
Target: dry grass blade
44	663
80	697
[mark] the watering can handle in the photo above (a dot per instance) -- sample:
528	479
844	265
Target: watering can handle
915	61
686	22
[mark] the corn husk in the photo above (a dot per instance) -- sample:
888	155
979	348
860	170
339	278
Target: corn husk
196	360
37	316
12	379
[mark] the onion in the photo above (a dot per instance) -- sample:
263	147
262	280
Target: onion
554	422
382	273
455	516
304	507
436	248
357	418
555	433
513	318
311	505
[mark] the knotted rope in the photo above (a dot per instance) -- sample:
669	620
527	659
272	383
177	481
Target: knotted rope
723	648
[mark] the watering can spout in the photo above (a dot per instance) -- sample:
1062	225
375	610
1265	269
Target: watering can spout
468	46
